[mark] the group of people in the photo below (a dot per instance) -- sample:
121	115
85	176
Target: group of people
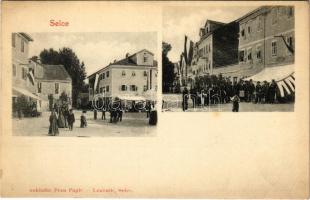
220	90
61	117
117	108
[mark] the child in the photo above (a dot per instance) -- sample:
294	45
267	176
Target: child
235	100
71	119
83	120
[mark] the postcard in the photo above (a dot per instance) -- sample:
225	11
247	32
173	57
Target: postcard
155	99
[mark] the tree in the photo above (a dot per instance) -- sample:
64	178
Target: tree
72	64
168	68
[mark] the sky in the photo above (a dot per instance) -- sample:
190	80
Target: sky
181	21
97	50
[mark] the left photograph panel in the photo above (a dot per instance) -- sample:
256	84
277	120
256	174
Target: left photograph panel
84	84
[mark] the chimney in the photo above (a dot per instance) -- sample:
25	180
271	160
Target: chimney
114	61
127	55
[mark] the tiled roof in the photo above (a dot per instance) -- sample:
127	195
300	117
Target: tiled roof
55	72
129	61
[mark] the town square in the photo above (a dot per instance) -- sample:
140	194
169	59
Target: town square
56	93
232	58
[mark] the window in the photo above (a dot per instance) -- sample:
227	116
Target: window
144	73
39	87
56	88
144	57
123	87
103	75
243	33
259	24
241	56
144	88
249	54
22	45
123	73
274	48
14	70
100	90
133	73
13	39
249	30
274	16
133	88
108	74
24	73
156	74
107	88
258	52
290	11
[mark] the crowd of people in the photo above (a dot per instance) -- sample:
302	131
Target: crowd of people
219	90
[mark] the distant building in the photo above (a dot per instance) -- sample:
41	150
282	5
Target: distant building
217	48
51	80
131	76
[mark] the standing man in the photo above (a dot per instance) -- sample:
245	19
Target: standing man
185	99
104	107
272	91
258	91
71	119
251	90
95	113
265	89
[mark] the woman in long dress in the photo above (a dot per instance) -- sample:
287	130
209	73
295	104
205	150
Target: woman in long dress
61	119
53	129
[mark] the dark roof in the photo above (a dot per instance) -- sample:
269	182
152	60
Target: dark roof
126	61
214	22
262	8
55	72
25	35
129	61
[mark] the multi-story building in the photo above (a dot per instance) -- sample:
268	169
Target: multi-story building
23	82
34	80
131	76
217	47
265	39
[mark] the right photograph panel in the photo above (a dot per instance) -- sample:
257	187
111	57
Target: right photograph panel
228	59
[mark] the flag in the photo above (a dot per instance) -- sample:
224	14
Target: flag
96	82
188	50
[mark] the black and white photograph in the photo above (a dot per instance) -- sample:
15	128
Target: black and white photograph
84	84
228	59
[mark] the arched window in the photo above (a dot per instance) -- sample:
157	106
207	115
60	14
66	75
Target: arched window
133	73
123	73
